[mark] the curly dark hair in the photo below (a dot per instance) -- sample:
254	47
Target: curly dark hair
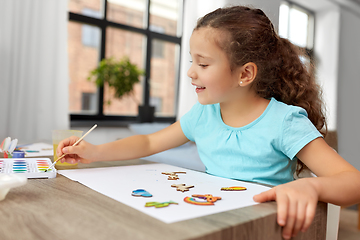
249	36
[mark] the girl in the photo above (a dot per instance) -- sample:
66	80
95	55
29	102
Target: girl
259	112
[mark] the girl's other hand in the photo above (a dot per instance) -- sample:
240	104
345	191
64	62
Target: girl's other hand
296	205
82	152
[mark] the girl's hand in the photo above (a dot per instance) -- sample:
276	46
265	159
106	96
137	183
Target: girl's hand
296	205
83	152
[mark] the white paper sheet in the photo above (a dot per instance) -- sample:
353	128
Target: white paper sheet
37	149
119	182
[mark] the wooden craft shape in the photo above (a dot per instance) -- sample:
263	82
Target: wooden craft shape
141	193
207	197
159	204
173	175
182	187
210	199
233	188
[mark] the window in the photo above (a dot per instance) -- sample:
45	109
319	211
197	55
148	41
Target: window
158	49
88	102
90	35
157	46
148	32
297	25
157	103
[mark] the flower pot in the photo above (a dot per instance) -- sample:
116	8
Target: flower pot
146	114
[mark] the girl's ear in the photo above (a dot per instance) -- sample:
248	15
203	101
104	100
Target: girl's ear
247	74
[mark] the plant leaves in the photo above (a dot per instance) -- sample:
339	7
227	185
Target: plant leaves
120	75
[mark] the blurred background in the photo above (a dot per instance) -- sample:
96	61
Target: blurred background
49	47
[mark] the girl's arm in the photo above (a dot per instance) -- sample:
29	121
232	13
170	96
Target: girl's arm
128	148
337	182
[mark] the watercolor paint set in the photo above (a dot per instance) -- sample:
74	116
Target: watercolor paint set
28	167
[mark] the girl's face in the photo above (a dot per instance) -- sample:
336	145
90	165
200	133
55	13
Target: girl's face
210	69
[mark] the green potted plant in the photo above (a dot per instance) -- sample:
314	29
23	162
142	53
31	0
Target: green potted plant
121	76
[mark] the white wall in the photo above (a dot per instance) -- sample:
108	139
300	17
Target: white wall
270	7
326	48
337	46
349	86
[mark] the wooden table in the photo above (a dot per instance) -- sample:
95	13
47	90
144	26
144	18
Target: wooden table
60	208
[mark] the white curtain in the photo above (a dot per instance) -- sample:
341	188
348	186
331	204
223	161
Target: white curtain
33	69
192	11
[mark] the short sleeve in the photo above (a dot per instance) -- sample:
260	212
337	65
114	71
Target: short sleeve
298	131
189	121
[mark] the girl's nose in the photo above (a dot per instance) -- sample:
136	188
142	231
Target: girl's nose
191	73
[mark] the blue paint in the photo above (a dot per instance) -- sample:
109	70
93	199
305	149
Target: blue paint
20	167
141	193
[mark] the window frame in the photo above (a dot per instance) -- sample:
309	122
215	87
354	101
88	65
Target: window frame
103	24
308	51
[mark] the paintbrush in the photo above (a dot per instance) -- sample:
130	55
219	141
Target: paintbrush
76	143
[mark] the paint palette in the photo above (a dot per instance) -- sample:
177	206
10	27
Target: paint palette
29	167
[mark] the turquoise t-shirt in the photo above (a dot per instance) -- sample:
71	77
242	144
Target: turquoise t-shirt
263	151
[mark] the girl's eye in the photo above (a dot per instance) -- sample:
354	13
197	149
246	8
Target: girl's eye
203	65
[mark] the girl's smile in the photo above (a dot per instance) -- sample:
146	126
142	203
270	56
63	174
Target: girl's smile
198	89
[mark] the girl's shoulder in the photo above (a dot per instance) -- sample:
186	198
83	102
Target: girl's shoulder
292	119
282	109
198	112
